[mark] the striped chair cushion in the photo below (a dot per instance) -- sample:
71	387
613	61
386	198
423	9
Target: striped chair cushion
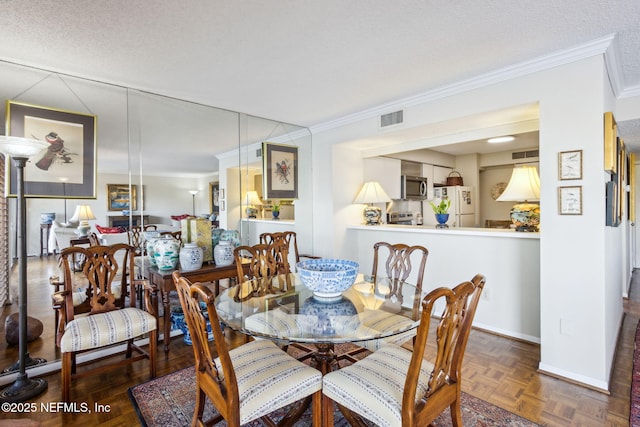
371	322
268	378
274	322
373	386
102	329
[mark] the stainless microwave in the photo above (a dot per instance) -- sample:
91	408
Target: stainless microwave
413	187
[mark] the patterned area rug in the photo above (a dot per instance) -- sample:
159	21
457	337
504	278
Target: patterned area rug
634	413
168	401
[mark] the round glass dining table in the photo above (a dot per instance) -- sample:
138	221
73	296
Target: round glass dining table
371	312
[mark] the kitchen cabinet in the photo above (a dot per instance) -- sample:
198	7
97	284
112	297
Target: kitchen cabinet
386	171
440	174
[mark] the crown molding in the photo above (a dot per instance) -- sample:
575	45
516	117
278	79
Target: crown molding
595	47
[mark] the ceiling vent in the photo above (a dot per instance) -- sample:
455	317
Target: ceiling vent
391	119
525	154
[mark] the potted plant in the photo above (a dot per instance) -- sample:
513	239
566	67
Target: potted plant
275	210
442	212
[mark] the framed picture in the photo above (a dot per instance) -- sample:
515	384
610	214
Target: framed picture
67	168
279	171
214	197
570	200
119	198
610	138
570	165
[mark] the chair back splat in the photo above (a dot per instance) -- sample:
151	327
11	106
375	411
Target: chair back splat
249	381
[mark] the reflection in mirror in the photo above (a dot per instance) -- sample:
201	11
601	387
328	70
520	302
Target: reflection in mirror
165	147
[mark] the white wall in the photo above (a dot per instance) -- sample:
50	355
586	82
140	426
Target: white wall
578	258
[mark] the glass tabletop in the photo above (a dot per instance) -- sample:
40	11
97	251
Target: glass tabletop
282	308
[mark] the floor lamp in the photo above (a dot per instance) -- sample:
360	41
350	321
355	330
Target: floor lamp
193	198
24	388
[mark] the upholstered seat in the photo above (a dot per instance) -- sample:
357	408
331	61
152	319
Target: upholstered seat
268	378
104	329
374	385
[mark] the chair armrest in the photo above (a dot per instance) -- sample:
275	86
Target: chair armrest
148	289
56	282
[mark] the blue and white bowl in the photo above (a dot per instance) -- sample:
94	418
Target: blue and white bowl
327	278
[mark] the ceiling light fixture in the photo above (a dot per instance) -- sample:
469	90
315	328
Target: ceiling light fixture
499	139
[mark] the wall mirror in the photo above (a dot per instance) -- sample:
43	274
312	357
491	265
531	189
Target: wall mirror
166	147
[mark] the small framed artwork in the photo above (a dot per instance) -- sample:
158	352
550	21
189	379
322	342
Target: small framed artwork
610	138
279	171
119	198
570	200
214	197
570	165
67	167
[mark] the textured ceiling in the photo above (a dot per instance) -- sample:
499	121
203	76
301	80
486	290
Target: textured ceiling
306	62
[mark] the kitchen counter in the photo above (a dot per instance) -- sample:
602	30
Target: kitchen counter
509	259
457	231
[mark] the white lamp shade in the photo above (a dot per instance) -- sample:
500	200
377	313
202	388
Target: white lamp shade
372	192
21	147
252	198
523	185
83	213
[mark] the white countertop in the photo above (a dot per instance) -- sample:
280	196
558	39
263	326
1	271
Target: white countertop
458	231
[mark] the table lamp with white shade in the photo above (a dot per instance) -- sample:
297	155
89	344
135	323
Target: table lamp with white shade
370	193
83	214
251	201
24	388
523	187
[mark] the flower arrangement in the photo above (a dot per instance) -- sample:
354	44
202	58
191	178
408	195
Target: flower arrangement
442	207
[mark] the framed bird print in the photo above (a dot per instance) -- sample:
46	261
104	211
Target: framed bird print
279	171
67	167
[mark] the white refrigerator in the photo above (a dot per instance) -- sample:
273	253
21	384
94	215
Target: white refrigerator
462	212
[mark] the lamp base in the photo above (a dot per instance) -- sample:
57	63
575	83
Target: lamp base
83	229
526	216
372	215
23	389
251	212
28	363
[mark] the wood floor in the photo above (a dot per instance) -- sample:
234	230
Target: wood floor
496	369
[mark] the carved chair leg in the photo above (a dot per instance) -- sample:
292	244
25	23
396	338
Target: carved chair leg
153	346
67	366
129	349
456	414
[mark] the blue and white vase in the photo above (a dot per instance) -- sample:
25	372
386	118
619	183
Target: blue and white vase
232	236
178	322
166	253
191	257
223	253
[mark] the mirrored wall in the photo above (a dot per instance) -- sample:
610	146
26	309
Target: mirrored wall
174	152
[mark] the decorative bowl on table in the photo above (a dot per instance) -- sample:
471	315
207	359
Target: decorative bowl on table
326	277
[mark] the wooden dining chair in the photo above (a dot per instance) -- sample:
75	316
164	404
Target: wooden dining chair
397	270
247	382
289	240
107	314
263	265
395	386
